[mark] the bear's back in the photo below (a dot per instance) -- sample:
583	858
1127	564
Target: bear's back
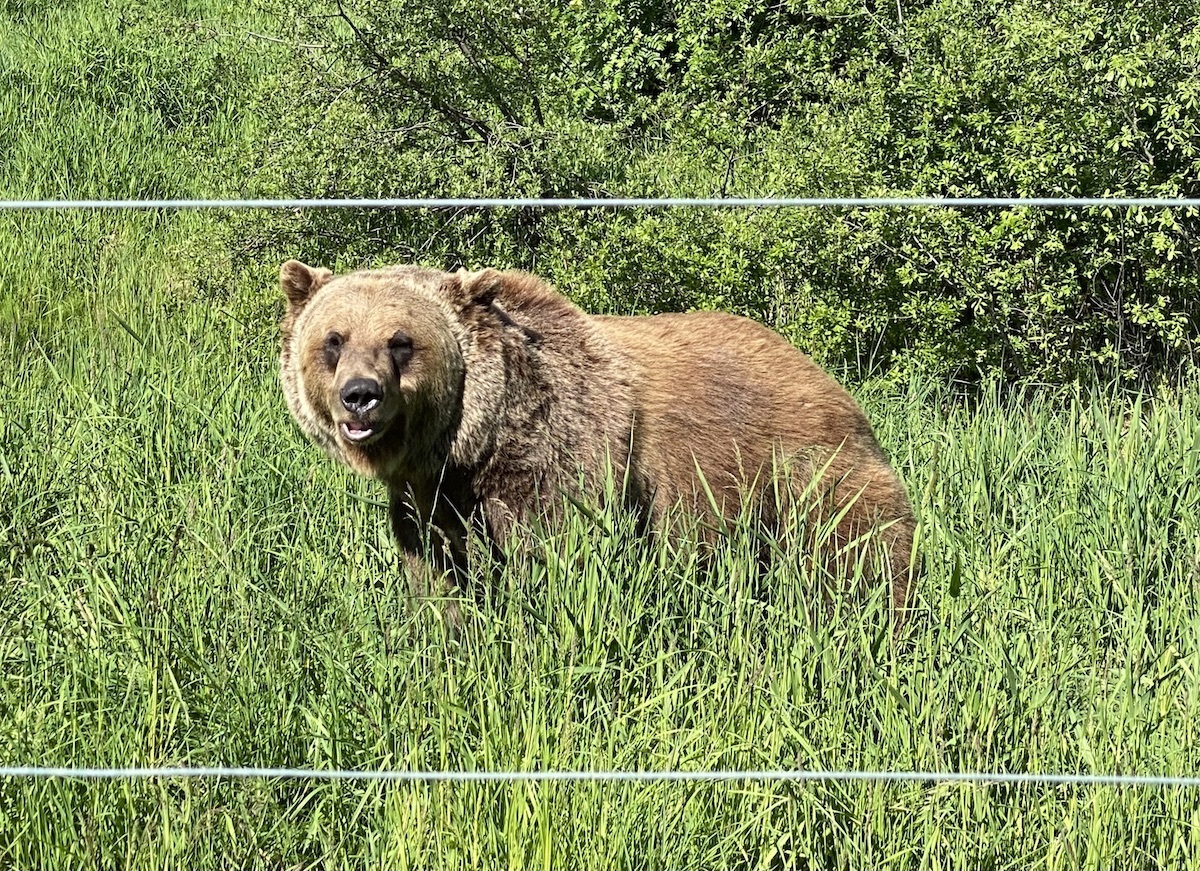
703	367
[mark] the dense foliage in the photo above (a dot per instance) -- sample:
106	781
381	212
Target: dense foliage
745	97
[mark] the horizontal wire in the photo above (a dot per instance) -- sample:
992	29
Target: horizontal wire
611	202
981	777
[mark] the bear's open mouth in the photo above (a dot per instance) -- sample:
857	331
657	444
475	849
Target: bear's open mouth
360	433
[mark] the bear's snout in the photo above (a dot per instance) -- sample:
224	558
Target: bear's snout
361	395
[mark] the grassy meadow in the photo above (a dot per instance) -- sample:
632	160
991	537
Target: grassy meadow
185	581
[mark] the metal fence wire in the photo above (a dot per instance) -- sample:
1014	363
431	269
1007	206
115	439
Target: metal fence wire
611	203
981	778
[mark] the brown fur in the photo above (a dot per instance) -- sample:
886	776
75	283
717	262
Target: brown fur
513	396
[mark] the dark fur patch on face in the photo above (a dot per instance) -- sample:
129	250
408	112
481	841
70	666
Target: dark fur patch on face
400	347
333	349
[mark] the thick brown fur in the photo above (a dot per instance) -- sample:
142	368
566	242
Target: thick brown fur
504	396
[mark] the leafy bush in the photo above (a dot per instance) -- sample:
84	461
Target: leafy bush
739	97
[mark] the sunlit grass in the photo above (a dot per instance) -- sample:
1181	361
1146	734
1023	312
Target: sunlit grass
188	582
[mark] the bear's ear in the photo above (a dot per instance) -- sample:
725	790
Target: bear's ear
299	282
466	289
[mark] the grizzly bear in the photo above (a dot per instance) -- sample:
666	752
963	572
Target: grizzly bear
485	399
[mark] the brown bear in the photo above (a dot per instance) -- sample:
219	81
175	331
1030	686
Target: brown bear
486	399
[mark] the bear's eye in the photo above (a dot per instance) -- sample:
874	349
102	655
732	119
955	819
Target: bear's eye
333	349
400	346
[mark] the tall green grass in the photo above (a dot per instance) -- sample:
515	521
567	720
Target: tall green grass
184	581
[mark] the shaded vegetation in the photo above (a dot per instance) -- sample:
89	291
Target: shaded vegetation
749	98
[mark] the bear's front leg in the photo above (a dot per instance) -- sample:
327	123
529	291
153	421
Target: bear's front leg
434	549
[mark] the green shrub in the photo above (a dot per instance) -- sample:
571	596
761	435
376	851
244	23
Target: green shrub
749	98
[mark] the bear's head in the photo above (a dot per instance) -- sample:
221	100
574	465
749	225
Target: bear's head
374	363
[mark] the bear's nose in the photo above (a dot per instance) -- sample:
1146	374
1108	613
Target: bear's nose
360	395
